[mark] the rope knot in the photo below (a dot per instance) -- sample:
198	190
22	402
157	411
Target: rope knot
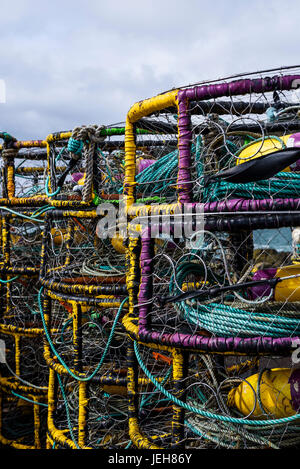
9	153
75	146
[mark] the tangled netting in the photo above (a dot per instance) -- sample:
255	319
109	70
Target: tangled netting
150	275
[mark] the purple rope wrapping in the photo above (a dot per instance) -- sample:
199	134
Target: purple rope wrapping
250	205
144	164
77	176
244	205
256	345
262	290
240	87
294	381
211	344
234	88
184	158
146	280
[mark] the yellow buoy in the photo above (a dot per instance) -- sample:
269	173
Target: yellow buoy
117	243
274	392
263	147
289	289
285	290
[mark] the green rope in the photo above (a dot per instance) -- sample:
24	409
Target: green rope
9	280
47	179
29	400
228	321
204	413
87	378
67	411
284	185
22	215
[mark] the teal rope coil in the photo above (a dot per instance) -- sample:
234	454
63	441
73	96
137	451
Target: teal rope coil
204	413
284	185
157	173
207	429
159	176
225	320
161	169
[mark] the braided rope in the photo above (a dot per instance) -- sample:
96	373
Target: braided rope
85	139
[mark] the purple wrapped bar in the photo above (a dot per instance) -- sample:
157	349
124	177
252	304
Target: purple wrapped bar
184	159
250	205
144	164
234	88
294	381
260	291
253	345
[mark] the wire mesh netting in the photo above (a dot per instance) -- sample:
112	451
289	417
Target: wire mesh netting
215	283
149	274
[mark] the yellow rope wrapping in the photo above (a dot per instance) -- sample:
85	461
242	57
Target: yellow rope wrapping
17	354
82	413
178	371
76	325
36	415
57	435
56	367
36	409
136	112
138	439
30	143
13	384
10	182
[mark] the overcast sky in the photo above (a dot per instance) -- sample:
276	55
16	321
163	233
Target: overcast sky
67	63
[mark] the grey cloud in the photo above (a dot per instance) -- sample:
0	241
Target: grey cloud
71	62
